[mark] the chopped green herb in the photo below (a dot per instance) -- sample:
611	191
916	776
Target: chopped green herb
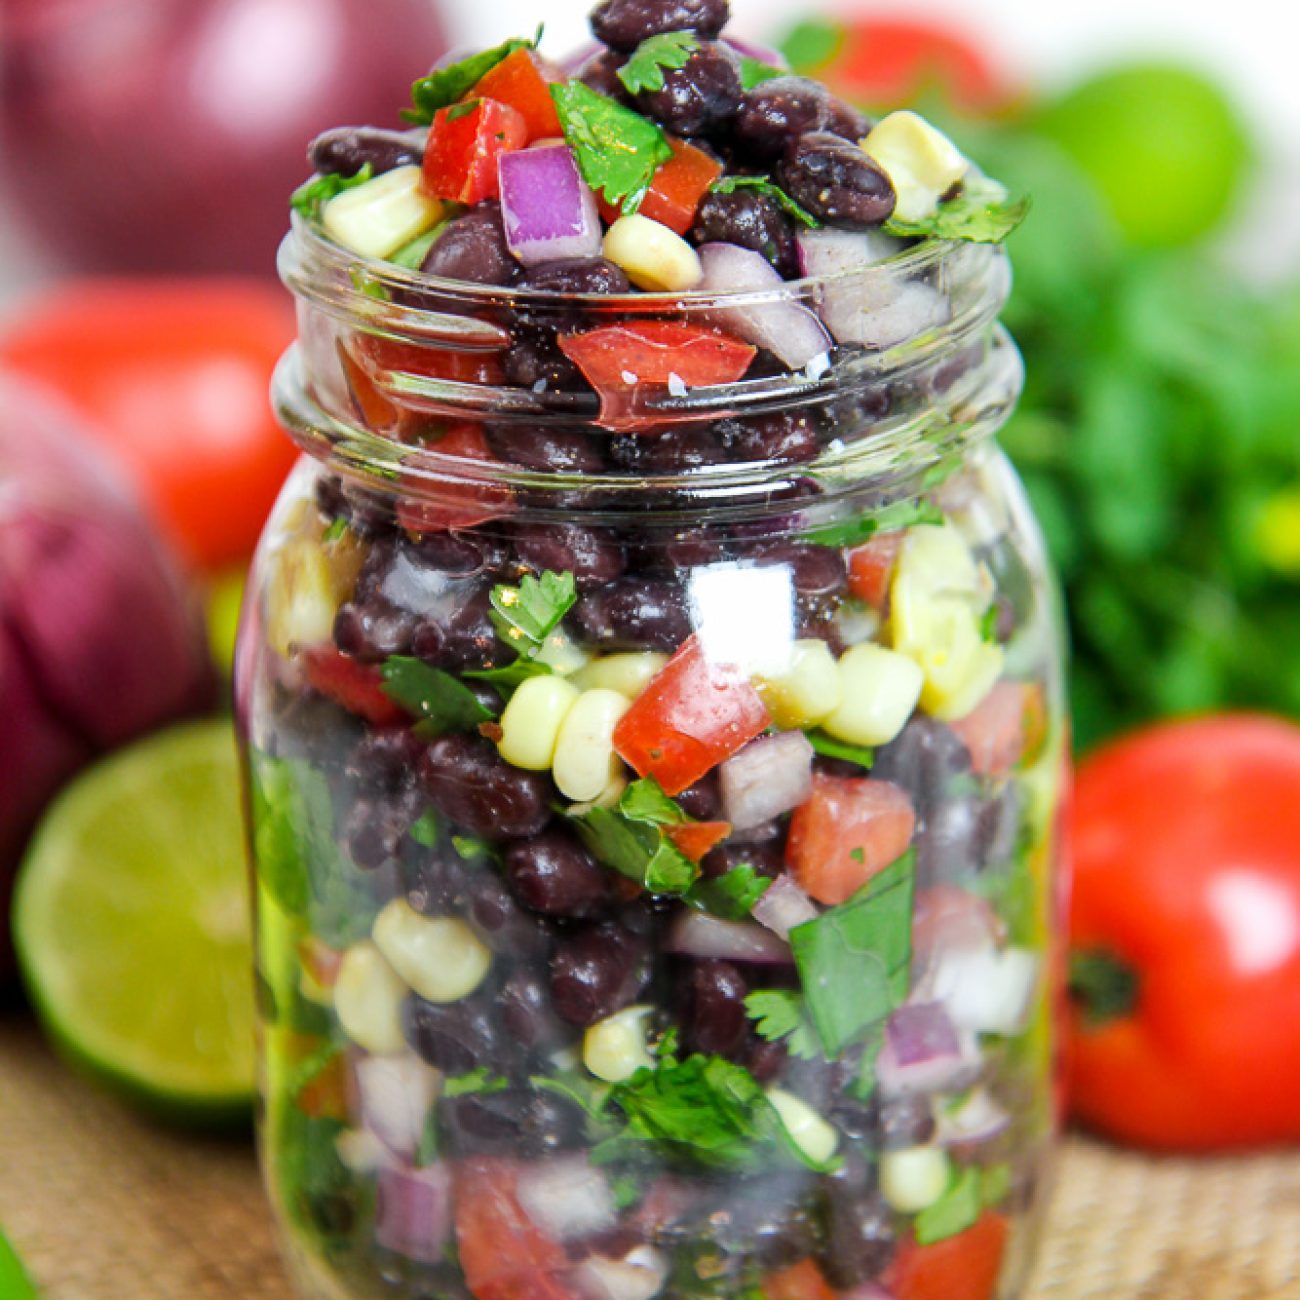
590	1097
446	85
308	199
853	960
626	1191
982	213
995	1184
426	1153
732	895
892	519
481	1080
645	801
811	44
765	185
668	1046
863	1086
630	839
506	679
781	1014
335	531
753	72
645	69
618	151
457	111
439	699
470	849
829	747
412	255
425	829
524	616
989	624
955	1211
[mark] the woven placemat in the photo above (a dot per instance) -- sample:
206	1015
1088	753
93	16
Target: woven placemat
103	1206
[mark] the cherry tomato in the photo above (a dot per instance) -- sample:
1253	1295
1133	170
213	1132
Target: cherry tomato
468	504
847	831
961	1267
523	80
801	1281
355	686
173	377
1185	936
871	569
677	190
1008	723
691	717
465	141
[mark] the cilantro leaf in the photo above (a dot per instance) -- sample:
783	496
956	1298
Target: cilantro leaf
780	1014
618	151
982	213
753	72
765	185
335	531
645	69
308	199
425	829
732	895
630	839
864	1082
853	960
445	86
524	616
481	1080
412	255
955	1211
439	699
470	849
893	518
645	801
591	1097
426	1153
505	679
829	747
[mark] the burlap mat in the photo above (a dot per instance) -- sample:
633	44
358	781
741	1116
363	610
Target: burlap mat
105	1207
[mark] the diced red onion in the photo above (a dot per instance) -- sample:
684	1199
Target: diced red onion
790	331
830	252
770	776
922	1051
986	990
639	1275
396	1093
756	834
548	210
752	50
783	906
697	934
978	1119
413	1212
567	1198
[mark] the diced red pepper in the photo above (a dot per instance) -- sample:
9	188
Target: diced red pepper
473	504
523	80
801	1281
677	190
460	160
1010	722
357	687
871	568
962	1267
698	838
691	717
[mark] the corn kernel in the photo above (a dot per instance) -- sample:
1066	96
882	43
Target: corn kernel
379	217
807	691
615	1048
880	692
368	997
654	257
531	722
561	654
628	674
308	584
585	762
807	1129
440	957
912	1180
922	162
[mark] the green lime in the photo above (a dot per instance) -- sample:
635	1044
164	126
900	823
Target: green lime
14	1282
1164	144
131	922
225	600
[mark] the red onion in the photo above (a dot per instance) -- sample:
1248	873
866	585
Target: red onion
752	50
697	934
770	776
639	1275
978	1119
790	331
413	1211
922	1052
783	906
567	1198
549	211
396	1093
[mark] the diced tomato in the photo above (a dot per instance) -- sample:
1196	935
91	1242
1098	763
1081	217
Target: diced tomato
801	1281
698	838
847	831
523	80
691	717
871	568
678	189
326	1094
961	1267
320	963
357	687
1008	723
460	160
503	1253
465	505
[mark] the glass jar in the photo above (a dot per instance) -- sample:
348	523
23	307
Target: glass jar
653	795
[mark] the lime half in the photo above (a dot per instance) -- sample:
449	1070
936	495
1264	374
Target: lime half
131	921
14	1282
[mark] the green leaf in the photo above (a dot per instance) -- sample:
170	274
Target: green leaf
982	213
426	1153
669	870
618	151
645	69
754	72
732	895
441	701
864	1082
630	839
813	43
780	1014
426	828
412	255
308	199
893	518
765	185
446	85
626	1191
956	1210
506	679
14	1282
481	1080
853	960
829	747
645	801
470	849
590	1097
524	616
335	531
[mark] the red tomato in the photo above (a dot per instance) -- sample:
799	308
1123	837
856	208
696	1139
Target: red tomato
801	1281
871	569
677	190
523	80
326	1094
1185	936
846	832
961	1267
698	838
465	141
355	686
690	718
173	378
503	1254
473	503
1010	722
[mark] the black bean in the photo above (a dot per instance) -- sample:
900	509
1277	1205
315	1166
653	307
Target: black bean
635	614
923	759
591	275
366	513
836	181
600	73
465	640
526	1013
345	150
559	451
473	248
778	438
699	98
374	828
383	760
592	555
436	882
596	972
457	1037
817	572
310	727
681	449
469	782
372	630
770	1223
716	1022
661	551
766	1060
767	859
519	1121
905	1122
464	554
952	840
859	1239
703	800
534	360
553	874
752	220
500	922
624	24
778	111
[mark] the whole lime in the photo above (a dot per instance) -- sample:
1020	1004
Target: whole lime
1166	147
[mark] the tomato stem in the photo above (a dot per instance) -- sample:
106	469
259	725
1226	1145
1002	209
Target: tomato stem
1103	986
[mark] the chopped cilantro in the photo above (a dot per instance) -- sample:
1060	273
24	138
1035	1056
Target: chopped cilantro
829	747
457	111
989	624
505	679
853	960
955	1211
765	185
618	151
445	86
335	531
863	1086
900	514
426	1153
626	1191
732	895
780	1014
481	1080
645	69
753	72
470	849
425	829
590	1097
668	1045
439	699
645	801
982	213
630	839
524	616
309	198
412	255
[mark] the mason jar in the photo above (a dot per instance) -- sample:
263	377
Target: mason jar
654	759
